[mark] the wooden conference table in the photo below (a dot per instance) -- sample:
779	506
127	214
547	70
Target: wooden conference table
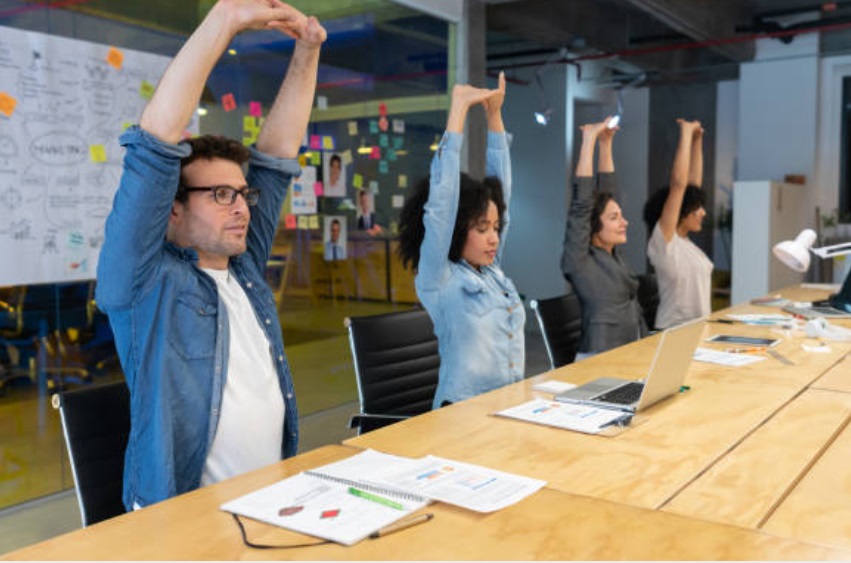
749	463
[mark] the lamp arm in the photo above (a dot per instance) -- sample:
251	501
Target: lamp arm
833	250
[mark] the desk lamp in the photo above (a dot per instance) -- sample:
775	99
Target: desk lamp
796	255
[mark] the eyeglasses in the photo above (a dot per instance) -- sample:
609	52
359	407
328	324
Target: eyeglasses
226	195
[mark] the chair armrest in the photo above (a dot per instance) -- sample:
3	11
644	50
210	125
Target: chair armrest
362	419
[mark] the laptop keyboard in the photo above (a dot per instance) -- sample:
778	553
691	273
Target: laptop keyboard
623	395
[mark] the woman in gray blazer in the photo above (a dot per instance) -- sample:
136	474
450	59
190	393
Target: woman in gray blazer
605	284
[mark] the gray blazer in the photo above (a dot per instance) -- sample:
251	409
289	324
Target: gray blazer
605	284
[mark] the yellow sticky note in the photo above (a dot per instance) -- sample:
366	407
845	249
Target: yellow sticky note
115	58
7	104
357	181
328	143
353	128
303	222
314	221
302	160
403	181
346	155
126	125
146	90
97	153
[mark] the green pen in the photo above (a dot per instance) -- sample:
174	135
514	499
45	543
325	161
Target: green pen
375	498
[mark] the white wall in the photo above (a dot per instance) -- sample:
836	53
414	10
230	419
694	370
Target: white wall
778	110
726	156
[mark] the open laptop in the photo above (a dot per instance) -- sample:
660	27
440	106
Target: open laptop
667	372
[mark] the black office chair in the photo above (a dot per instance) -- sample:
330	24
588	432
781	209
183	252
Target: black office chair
96	424
560	319
648	298
396	362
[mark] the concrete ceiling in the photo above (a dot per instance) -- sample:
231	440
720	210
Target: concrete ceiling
666	40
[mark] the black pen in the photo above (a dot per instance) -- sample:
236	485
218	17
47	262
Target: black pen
725	321
402	525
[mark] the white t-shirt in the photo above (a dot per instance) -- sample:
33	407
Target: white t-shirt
251	423
684	275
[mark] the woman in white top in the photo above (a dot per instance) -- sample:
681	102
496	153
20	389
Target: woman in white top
683	271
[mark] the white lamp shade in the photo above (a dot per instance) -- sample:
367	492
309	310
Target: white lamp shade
795	253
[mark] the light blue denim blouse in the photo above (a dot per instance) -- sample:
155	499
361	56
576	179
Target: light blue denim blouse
478	317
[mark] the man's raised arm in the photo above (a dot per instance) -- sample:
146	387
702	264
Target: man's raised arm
179	90
286	123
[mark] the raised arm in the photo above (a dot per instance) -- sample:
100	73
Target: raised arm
679	179
179	90
286	123
577	235
442	205
695	171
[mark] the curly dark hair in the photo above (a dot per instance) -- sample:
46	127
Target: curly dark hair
694	199
472	204
210	147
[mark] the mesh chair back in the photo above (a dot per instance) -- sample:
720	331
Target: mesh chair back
560	320
396	362
96	424
648	298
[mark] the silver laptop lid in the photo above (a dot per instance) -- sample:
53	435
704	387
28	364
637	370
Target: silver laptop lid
671	362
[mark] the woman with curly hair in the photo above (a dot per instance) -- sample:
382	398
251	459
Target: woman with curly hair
450	235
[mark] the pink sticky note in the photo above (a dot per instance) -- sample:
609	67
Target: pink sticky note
318	190
228	102
382	109
383	124
290	221
375	154
315	142
255	109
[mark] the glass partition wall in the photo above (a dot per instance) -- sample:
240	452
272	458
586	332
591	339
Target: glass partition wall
380	106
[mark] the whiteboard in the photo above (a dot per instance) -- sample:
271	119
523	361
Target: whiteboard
60	161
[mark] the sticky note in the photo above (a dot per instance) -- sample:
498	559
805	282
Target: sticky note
357	181
391	155
126	125
97	153
346	156
382	123
328	143
382	167
290	221
146	89
315	158
302	160
398	126
314	221
373	126
373	186
255	109
318	189
403	181
115	58
382	109
397	201
315	142
7	104
383	141
321	102
303	222
353	128
375	153
228	102
250	129
398	142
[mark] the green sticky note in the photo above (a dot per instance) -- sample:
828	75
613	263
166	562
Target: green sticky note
146	90
357	181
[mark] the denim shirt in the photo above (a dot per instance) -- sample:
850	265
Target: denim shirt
171	328
477	314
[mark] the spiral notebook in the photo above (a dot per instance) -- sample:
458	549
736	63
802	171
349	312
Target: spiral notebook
348	500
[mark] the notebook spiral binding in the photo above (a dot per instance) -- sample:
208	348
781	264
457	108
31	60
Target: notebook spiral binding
369	487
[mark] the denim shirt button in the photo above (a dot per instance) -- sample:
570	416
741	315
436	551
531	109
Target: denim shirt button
289	395
281	358
268	322
249	285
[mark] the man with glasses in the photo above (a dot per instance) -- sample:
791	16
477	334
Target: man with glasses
181	272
